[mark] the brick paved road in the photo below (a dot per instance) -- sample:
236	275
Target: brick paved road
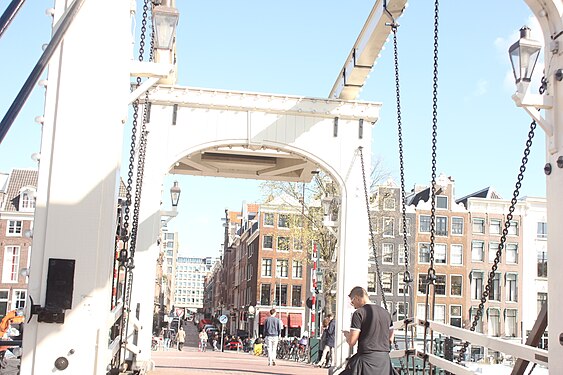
191	361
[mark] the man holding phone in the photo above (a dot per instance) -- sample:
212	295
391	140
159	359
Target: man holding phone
372	329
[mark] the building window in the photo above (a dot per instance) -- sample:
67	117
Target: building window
296	296
493	248
265	294
281	289
402	288
494	293
479	326
455	315
19	298
297	269
456	285
371	282
542	230
513	228
388	227
389	204
407	225
423	253
512	253
476	284
14	228
11	266
441	226
3	302
494	227
512	287
282	267
440	313
442	202
542	300
511	324
169	236
424	223
542	263
494	322
248	271
456	254
402	311
440	253
269	219
422	282
283	244
387	253
477	251
267	242
297	244
297	221
266	267
27	200
478	225
283	220
387	281
440	285
457	226
401	254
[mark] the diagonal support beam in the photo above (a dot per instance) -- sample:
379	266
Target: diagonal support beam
533	339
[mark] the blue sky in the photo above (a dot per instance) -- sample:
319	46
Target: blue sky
298	48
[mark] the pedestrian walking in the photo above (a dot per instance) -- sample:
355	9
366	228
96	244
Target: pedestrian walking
181	338
202	340
328	338
372	329
272	331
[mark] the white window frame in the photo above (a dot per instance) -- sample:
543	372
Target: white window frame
283	239
420	245
454	218
511	251
11	264
541	232
440	256
420	223
492	251
267	215
452	257
19	299
491	324
387	206
387	251
282	268
473	259
297	269
458	316
5	300
451	285
514	228
286	221
387	279
264	242
14	228
438	198
494	224
27	200
478	221
401	284
264	267
388	221
437	318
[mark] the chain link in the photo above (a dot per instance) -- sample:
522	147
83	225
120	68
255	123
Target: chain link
127	254
372	237
431	275
498	255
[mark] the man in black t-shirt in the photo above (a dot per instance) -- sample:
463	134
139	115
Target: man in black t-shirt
372	329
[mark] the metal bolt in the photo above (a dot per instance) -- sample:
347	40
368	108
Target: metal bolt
61	363
547	169
560	162
561	338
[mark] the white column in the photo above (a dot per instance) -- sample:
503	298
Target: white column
353	247
77	188
149	226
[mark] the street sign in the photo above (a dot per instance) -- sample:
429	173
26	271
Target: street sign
223	319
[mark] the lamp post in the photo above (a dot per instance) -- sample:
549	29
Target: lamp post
175	199
523	57
165	18
523	54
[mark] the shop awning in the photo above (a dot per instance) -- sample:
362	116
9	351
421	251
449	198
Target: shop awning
295	320
283	318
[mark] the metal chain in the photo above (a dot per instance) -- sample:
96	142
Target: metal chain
509	216
431	276
372	237
126	257
406	276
